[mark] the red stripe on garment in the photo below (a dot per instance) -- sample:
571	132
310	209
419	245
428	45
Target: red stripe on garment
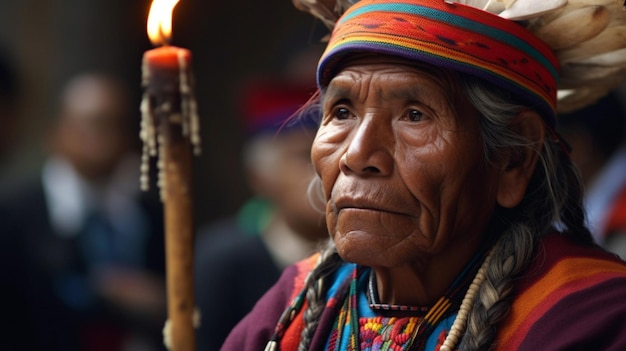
292	336
617	217
304	268
566	277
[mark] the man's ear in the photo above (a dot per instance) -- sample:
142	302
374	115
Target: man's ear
518	164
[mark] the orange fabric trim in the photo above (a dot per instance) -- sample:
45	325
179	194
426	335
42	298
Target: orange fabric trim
566	277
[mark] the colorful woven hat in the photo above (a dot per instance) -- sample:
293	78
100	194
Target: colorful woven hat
454	36
558	55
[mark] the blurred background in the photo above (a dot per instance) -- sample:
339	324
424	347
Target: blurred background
50	41
77	279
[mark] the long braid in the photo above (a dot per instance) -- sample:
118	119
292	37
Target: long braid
553	197
513	252
317	287
516	237
511	255
515	248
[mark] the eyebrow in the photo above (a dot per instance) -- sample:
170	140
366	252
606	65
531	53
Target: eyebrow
334	90
407	92
422	90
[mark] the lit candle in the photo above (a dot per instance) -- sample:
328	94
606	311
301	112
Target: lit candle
167	83
169	131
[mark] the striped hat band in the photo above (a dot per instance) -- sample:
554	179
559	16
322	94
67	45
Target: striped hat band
452	36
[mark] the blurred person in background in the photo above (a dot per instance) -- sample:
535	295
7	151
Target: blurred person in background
597	135
84	244
239	258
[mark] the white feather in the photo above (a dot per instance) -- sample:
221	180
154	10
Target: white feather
527	9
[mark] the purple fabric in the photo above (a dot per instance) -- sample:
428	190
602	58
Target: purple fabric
579	321
256	329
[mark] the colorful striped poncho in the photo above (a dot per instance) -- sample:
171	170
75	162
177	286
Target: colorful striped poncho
570	298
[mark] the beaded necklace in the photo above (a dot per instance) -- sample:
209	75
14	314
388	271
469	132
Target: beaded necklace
415	328
378	333
372	297
382	333
460	321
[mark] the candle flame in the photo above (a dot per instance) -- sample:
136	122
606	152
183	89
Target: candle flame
160	21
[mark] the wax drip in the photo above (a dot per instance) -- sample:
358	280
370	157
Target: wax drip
150	134
147	132
190	121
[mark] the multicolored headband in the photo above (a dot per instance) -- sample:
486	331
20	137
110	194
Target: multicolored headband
452	36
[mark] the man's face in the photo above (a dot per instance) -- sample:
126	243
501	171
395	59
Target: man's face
401	161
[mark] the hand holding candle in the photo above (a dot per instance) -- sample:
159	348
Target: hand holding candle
169	130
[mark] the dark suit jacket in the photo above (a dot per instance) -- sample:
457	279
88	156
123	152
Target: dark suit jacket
34	260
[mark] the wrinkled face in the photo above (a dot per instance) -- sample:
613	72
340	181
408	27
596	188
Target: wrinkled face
401	161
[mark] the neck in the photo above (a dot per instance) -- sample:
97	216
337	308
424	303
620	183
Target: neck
423	282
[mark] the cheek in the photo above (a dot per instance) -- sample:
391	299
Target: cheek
325	155
452	189
424	174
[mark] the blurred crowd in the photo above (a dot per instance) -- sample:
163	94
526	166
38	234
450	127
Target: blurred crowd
83	243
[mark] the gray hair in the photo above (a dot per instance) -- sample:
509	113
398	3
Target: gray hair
553	201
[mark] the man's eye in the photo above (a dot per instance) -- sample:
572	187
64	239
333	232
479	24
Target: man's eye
415	115
342	113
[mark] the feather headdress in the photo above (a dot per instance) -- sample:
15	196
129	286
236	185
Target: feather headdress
588	38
